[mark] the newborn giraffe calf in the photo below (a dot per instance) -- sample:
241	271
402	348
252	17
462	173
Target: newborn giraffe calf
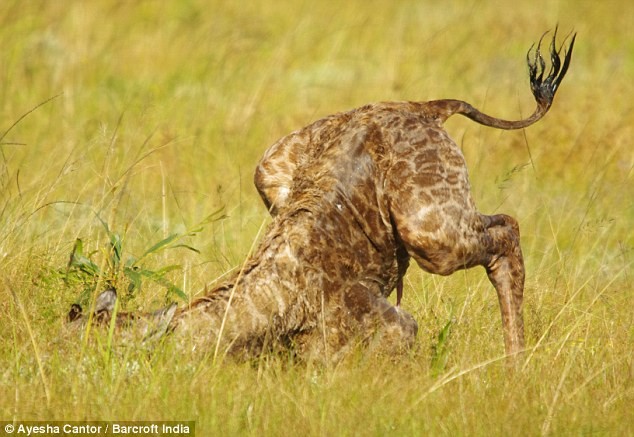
354	196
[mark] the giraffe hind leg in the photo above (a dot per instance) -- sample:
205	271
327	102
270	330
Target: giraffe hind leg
490	241
506	272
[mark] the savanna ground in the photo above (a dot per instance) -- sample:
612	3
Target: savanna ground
162	110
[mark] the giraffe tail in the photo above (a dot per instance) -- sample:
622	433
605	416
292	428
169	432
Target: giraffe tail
543	86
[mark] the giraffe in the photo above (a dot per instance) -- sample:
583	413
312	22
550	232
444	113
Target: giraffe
354	196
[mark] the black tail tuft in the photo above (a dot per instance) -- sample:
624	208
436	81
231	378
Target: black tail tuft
544	88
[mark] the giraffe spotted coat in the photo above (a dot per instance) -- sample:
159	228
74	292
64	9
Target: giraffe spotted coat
354	196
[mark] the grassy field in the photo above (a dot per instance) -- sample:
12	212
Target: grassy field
158	113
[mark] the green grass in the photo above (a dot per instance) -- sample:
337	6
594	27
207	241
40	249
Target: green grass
162	111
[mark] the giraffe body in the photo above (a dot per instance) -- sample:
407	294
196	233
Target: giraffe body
425	197
354	196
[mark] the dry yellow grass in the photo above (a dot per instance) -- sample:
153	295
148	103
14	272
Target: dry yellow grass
163	109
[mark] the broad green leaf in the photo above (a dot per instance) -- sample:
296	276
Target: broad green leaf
161	244
117	248
440	351
134	277
185	246
80	261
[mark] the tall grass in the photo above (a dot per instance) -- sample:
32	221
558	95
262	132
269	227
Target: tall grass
163	109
